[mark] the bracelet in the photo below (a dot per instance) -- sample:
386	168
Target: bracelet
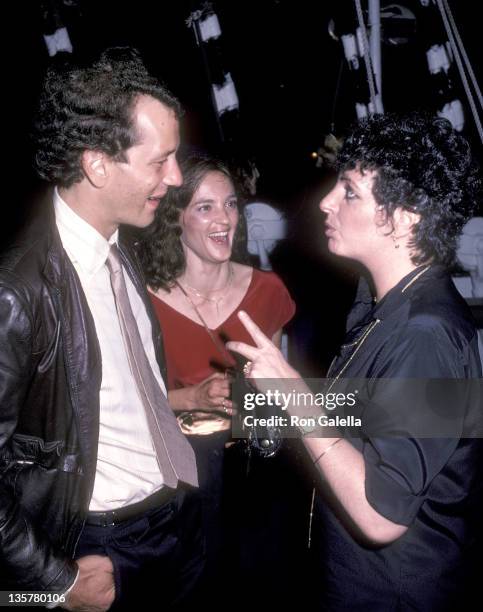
327	450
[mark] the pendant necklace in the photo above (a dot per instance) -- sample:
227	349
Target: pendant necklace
206	298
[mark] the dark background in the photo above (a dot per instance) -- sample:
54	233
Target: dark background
283	62
293	85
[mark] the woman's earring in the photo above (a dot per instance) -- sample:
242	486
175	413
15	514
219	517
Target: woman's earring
394	239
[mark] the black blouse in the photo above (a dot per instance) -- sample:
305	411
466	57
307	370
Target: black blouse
431	484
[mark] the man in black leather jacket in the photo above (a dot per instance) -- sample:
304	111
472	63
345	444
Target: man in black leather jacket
107	138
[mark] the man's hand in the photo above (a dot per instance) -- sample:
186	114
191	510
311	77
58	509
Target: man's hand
94	589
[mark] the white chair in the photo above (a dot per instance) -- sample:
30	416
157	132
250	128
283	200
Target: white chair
265	227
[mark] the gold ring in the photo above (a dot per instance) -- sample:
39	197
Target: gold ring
247	368
223	404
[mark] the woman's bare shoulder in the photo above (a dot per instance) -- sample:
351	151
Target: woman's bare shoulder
169	297
242	273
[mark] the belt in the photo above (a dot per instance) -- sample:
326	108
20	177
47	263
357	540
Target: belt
113	517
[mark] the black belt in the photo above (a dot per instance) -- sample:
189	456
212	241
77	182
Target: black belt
113	517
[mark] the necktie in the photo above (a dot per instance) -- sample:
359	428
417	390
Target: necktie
175	456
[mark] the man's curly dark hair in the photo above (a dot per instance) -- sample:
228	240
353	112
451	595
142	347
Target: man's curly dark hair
160	247
90	108
422	165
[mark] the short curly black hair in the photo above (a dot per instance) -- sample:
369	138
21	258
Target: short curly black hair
90	107
160	247
423	165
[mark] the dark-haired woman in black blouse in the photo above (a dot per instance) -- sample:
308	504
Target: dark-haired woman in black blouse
400	504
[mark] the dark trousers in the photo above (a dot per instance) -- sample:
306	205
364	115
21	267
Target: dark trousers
210	452
157	557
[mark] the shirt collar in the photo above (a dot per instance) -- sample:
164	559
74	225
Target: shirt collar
364	310
400	292
84	245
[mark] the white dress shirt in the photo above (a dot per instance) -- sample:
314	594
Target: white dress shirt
127	470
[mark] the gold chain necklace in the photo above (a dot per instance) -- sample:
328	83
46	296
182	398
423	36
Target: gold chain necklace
359	343
206	298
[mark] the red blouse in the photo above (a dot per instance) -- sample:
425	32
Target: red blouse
191	355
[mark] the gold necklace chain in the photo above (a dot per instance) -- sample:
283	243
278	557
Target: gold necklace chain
206	298
359	344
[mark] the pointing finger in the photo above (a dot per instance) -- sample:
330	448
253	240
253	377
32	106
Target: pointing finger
250	352
255	332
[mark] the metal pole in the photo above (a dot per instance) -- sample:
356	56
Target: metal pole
375	46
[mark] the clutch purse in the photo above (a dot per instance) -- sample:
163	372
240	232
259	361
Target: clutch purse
198	423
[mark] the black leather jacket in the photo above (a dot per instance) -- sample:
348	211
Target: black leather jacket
50	376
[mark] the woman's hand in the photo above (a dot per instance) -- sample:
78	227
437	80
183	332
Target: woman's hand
266	361
210	395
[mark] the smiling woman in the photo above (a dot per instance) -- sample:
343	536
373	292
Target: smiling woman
209	221
193	258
